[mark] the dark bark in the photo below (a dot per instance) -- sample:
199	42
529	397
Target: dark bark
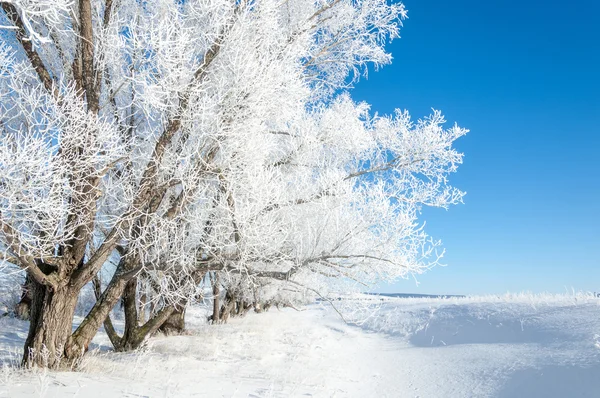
108	325
49	342
128	300
130	309
87	54
99	313
170	319
135	335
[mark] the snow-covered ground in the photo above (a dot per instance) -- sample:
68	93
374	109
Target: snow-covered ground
510	346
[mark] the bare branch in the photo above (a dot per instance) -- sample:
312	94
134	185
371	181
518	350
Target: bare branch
26	43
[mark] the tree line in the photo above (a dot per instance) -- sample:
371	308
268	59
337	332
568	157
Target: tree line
147	147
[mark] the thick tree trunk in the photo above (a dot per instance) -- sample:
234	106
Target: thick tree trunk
130	309
131	339
49	342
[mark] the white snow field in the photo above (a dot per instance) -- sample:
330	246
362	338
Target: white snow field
509	346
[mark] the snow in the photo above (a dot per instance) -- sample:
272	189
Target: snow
509	346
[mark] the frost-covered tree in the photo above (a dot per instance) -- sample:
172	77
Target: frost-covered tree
182	137
337	200
340	196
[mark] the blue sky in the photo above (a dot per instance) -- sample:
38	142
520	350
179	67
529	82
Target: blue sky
523	76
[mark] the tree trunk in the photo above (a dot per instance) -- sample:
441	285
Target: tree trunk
100	312
228	307
170	319
131	314
216	303
135	336
49	341
175	324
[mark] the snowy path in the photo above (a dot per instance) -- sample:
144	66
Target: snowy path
276	354
314	354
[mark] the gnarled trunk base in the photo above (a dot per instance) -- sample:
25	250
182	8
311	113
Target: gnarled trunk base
49	342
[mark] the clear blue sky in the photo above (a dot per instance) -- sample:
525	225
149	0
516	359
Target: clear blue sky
523	76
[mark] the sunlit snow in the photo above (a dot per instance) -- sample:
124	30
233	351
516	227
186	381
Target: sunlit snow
508	346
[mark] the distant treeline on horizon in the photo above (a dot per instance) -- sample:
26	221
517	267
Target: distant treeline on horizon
416	295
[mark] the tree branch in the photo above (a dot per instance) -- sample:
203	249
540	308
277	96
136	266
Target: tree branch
86	33
387	166
10	259
35	59
25	260
114	338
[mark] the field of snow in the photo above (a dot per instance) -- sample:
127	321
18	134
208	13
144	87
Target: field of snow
509	346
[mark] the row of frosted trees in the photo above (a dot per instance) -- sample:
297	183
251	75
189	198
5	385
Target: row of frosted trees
148	146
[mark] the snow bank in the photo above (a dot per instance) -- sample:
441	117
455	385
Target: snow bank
531	345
